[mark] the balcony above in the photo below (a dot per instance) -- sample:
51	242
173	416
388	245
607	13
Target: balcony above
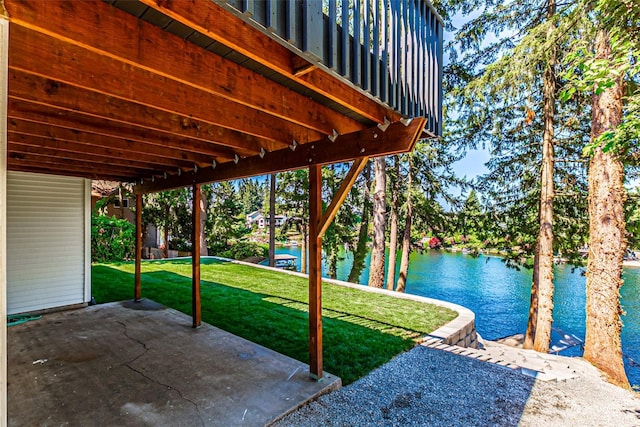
391	49
171	93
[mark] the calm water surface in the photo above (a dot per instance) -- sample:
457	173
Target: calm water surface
499	296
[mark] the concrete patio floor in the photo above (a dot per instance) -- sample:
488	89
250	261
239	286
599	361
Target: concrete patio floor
134	364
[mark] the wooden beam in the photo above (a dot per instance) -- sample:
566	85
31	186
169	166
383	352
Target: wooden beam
26	144
216	21
315	273
137	293
30	91
398	138
172	153
54	170
79	167
40	54
102	28
342	193
196	306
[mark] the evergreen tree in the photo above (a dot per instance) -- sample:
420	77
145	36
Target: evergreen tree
506	90
604	63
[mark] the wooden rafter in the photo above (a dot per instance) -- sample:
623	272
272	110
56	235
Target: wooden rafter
148	47
31	93
39	54
114	133
215	21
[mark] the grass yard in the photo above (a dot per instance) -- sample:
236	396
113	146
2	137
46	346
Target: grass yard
361	330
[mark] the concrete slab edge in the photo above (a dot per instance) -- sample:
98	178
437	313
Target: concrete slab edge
335	385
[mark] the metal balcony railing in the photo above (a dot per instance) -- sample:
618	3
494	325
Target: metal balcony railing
392	49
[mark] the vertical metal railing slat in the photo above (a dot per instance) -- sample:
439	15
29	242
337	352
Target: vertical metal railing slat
345	59
375	57
332	59
356	51
366	43
438	127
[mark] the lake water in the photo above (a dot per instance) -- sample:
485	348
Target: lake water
499	296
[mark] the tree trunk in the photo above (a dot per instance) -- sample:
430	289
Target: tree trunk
406	237
166	233
538	334
376	267
603	347
303	248
204	204
393	224
272	221
333	264
360	251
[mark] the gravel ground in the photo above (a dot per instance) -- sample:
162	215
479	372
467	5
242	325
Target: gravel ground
429	387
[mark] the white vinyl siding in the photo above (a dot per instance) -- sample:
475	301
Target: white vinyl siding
46	241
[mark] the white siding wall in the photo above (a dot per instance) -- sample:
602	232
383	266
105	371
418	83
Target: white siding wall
47	239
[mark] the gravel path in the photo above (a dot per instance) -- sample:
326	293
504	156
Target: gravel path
430	387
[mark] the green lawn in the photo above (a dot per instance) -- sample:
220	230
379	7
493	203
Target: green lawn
361	330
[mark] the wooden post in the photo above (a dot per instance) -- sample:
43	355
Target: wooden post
196	312
137	288
272	220
315	272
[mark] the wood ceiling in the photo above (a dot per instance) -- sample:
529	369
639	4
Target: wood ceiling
100	93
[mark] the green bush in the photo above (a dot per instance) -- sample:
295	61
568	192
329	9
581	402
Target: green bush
112	239
240	250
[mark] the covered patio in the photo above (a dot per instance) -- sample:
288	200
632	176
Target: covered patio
170	94
132	364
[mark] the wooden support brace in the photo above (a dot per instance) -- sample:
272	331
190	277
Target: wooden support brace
315	272
138	270
301	66
343	191
196	311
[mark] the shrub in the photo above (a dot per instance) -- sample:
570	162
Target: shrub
435	243
112	239
240	250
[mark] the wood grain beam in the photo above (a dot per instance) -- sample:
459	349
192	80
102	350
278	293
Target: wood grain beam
49	170
52	93
188	149
342	193
71	167
215	21
18	150
111	32
41	54
372	142
133	149
29	144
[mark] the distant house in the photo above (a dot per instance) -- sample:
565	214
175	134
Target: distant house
118	201
256	218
